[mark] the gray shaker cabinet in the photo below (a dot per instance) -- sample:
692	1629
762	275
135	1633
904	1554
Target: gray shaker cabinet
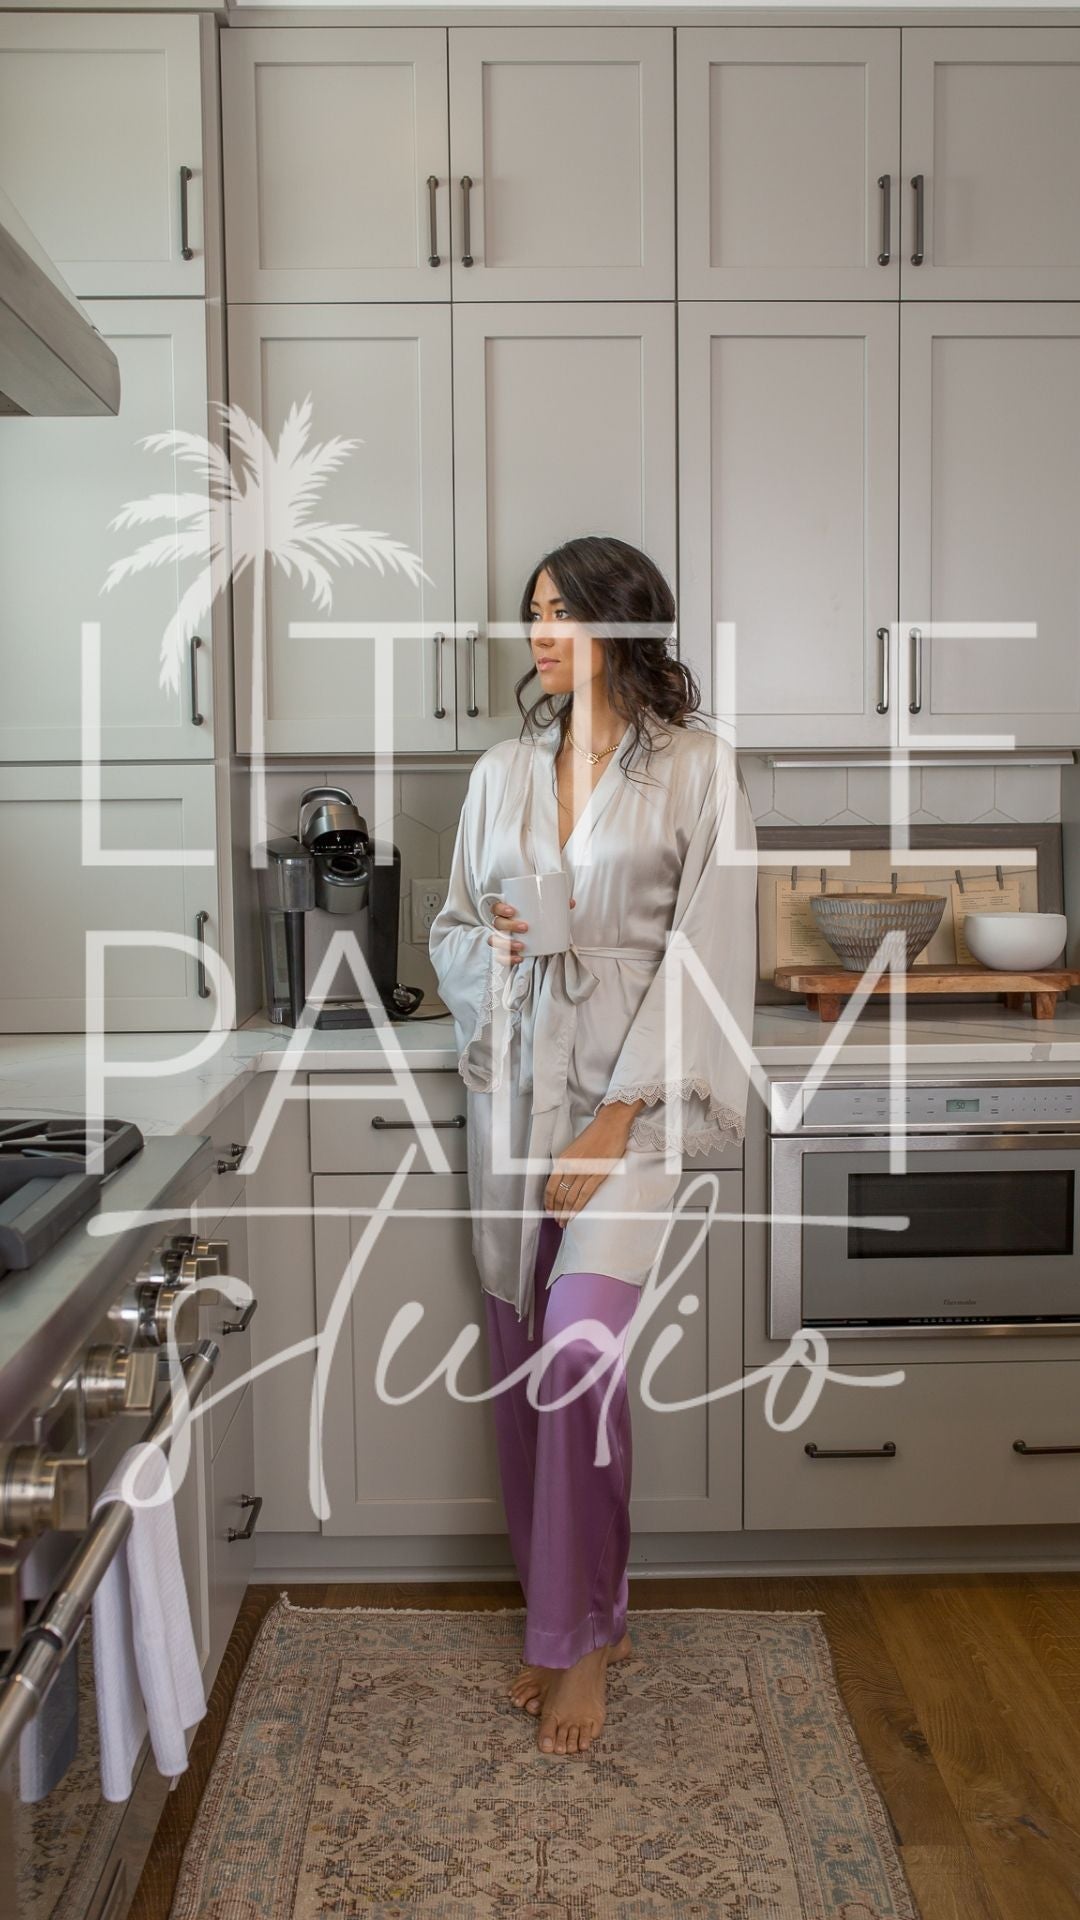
537	165
789	145
101	146
989	507
336	163
564	422
991	131
562	163
306	673
788	517
63	482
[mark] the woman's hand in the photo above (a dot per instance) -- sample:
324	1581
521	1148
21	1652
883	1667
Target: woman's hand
506	948
605	1138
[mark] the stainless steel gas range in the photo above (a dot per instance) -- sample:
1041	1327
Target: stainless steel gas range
84	1375
975	1230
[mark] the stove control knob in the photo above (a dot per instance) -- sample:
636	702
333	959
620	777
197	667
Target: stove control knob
39	1492
119	1380
168	1308
195	1249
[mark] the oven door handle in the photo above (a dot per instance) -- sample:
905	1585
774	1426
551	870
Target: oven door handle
46	1644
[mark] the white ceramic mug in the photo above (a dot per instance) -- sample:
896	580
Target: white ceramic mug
541	899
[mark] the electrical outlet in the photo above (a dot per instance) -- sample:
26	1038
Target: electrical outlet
427	897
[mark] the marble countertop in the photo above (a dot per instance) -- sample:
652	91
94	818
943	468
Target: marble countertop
180	1082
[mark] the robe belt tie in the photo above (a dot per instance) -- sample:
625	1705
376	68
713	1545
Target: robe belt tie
546	991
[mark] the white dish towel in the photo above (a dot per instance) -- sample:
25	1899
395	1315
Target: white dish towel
146	1665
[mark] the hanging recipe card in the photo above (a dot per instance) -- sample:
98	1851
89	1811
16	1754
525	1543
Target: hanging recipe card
799	940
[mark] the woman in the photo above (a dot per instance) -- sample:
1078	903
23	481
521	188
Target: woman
563	1055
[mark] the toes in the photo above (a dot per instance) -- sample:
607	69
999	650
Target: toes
548	1729
533	1705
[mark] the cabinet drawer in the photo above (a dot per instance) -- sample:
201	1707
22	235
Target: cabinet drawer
953	1426
226	1133
345	1138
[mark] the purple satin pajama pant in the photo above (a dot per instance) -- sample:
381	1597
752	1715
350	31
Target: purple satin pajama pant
568	1519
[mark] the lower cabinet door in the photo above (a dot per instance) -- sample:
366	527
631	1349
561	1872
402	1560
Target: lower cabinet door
429	1465
687	1471
980	1443
232	1513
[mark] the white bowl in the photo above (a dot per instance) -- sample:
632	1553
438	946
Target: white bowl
1020	942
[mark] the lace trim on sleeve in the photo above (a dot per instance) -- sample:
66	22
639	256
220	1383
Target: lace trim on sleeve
494	982
723	1124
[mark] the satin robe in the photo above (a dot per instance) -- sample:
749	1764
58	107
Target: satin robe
545	1042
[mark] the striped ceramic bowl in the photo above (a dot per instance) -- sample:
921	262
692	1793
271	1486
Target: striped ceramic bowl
854	924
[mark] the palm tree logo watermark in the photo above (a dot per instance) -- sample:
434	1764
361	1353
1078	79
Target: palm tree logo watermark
252	514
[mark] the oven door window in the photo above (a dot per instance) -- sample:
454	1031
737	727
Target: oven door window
958	1235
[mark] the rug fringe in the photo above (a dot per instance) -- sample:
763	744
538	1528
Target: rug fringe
801	1613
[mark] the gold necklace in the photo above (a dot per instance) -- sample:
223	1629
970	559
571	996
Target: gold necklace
592	758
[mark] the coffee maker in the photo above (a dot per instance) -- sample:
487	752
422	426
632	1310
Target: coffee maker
325	879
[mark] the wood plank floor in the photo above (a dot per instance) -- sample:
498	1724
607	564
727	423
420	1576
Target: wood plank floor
964	1691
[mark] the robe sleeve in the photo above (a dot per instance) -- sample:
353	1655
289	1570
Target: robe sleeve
704	1083
470	974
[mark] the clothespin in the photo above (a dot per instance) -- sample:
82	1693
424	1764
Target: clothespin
1000	878
794	877
959	878
824	881
894	879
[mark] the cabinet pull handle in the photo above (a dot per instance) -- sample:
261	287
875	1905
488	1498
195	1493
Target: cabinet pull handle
186	252
470	642
241	1325
254	1501
201	919
197	718
456	1120
885	183
466	183
915	703
883	671
440	710
885	1452
918	256
1021	1446
433	256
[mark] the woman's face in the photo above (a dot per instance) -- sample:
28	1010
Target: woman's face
566	655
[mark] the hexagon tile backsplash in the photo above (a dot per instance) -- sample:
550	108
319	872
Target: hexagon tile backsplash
427	805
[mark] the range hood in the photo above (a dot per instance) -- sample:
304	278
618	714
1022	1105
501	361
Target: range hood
52	358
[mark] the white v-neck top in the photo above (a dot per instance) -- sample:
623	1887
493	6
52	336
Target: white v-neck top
655	859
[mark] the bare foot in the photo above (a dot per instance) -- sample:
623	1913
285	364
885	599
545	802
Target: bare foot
532	1682
573	1710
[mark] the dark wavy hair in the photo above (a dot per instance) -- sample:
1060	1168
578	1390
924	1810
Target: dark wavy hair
603	581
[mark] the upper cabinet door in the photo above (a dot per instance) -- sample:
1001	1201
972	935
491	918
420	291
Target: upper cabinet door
332	554
992	136
564	424
99	124
63	483
336	163
562	163
789	153
787	520
990	505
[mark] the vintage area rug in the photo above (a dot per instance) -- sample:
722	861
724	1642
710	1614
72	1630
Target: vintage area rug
373	1765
